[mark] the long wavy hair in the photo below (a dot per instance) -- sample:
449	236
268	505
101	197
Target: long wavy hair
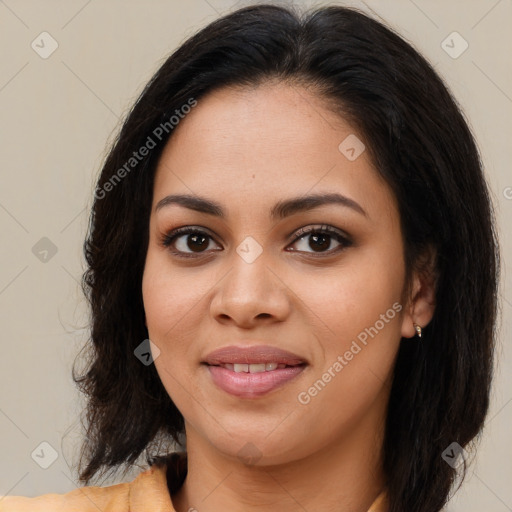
422	146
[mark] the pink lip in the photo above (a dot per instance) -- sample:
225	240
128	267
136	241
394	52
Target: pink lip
253	355
252	385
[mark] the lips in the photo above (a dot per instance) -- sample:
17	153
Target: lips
253	371
258	354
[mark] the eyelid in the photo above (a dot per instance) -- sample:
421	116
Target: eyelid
319	228
341	237
167	239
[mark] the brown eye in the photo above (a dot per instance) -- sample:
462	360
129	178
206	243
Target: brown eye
319	240
186	241
196	243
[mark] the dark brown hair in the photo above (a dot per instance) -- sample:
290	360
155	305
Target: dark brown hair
421	145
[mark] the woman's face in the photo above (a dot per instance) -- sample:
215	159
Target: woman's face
251	278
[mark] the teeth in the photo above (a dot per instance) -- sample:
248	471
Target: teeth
253	368
256	368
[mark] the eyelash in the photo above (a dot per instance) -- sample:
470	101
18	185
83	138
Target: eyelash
168	239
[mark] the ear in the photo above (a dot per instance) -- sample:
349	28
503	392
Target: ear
421	303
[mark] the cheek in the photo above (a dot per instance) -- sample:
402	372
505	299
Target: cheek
352	297
359	348
357	311
170	315
169	299
172	309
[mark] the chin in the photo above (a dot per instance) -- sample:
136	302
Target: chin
256	449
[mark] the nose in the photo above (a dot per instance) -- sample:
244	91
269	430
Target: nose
251	293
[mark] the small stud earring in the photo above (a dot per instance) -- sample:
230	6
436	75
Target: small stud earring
418	330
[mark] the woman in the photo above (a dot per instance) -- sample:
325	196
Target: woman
295	215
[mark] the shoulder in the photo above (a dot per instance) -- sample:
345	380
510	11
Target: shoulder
381	503
114	498
151	486
83	499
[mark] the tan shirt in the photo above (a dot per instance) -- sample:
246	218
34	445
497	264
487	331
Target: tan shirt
149	492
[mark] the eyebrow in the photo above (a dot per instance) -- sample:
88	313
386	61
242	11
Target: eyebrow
280	210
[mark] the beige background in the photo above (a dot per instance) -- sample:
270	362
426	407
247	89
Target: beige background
57	115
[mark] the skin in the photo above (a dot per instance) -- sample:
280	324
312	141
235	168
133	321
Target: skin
248	149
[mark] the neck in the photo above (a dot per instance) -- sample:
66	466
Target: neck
345	476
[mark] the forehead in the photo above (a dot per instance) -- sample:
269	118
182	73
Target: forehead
265	143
